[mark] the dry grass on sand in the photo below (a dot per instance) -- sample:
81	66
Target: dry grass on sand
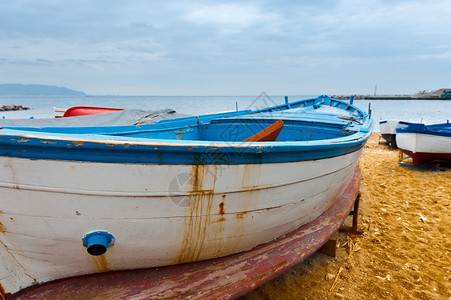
405	252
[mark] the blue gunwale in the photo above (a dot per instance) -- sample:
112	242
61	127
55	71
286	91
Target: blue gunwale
125	144
441	129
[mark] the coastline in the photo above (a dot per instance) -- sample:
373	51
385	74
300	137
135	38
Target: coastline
405	250
13	107
389	97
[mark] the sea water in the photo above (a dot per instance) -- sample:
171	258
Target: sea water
428	111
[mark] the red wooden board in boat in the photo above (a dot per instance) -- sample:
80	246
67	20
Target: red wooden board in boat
220	278
88	110
269	134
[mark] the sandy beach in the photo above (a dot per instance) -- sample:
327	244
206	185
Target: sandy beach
405	251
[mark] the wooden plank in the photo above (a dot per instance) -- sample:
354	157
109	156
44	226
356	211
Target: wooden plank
269	134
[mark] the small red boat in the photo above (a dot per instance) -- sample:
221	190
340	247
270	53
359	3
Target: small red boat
88	110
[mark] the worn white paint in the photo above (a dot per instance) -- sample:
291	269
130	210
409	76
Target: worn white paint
158	214
423	143
12	274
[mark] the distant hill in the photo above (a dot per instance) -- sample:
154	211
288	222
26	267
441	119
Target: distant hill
36	89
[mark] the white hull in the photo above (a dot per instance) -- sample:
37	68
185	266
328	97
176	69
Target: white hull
423	143
204	212
388	126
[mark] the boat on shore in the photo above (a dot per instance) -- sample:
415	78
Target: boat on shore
425	143
88	110
387	130
80	200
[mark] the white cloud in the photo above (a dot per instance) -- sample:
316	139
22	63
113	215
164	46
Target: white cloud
229	18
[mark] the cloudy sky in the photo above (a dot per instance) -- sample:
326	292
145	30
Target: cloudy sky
227	47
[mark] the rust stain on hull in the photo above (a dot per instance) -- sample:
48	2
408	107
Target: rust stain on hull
2	227
99	263
221	208
244	271
198	218
3	292
241	214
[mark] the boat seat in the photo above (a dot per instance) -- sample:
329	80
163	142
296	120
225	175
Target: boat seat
269	134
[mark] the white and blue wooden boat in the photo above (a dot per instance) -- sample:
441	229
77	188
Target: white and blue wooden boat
425	143
79	200
387	129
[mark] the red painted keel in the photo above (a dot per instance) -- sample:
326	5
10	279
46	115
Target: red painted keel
419	158
220	278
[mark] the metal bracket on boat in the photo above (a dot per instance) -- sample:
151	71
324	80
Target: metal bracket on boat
97	242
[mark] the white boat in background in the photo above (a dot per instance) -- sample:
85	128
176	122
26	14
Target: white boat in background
425	143
58	112
387	129
78	200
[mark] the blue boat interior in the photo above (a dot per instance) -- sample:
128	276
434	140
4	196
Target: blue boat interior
319	118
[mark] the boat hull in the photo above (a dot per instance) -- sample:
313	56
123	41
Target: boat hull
387	129
390	139
255	266
88	110
158	214
423	148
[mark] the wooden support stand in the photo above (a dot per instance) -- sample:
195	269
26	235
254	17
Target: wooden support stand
330	247
355	215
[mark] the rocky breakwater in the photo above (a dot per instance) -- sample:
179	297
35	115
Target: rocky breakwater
347	97
12	107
